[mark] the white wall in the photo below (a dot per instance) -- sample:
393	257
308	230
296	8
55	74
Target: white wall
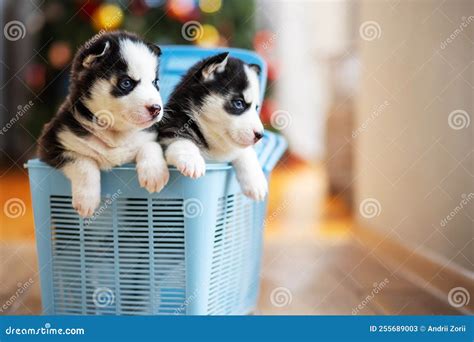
306	34
408	158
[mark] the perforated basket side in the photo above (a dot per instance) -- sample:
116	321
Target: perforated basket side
231	268
128	260
169	272
67	252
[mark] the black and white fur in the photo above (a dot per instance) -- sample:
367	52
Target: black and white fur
107	118
213	114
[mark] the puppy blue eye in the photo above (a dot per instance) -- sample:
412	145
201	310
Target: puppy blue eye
238	104
126	84
156	84
257	108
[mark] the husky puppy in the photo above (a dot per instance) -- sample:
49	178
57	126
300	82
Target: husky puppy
106	119
213	114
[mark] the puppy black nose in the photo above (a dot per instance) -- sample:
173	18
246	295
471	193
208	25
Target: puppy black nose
258	136
154	110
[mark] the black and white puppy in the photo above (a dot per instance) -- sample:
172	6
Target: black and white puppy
106	119
213	114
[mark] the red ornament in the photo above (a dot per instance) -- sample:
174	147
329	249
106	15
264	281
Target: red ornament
139	7
264	42
182	10
273	70
35	75
87	8
268	107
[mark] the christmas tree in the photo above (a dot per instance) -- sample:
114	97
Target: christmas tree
67	25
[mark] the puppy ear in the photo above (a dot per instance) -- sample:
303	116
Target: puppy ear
155	48
94	53
214	64
256	68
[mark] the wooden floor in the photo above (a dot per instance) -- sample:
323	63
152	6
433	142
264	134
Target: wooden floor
313	262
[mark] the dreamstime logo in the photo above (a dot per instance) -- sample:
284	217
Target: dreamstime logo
21	110
465	199
108	24
458	297
104	119
268	44
377	288
280	297
103	297
370	30
107	204
14	30
192	208
21	289
192	30
373	116
459	119
464	24
95	38
274	214
370	208
14	208
280	119
186	127
186	303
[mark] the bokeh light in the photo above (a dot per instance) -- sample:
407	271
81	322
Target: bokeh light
181	9
59	54
210	6
107	17
210	36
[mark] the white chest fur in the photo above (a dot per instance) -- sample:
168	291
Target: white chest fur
124	150
219	154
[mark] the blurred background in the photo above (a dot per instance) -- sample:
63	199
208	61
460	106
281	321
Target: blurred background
370	211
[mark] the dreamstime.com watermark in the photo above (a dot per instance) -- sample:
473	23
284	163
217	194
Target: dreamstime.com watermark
377	287
192	208
103	297
109	22
104	119
373	115
107	203
14	208
275	213
370	30
462	204
280	119
459	119
281	297
459	297
21	288
297	10
46	330
182	308
14	30
192	30
21	110
187	126
466	21
370	208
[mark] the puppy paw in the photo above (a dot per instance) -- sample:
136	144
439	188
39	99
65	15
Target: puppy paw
255	187
152	176
191	165
85	202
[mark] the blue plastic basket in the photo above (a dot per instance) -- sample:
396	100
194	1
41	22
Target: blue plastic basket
194	248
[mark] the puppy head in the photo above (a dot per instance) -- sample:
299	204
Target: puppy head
115	75
233	98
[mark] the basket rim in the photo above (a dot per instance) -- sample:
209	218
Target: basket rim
36	163
275	147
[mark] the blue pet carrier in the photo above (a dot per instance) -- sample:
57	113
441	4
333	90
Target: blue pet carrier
192	249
